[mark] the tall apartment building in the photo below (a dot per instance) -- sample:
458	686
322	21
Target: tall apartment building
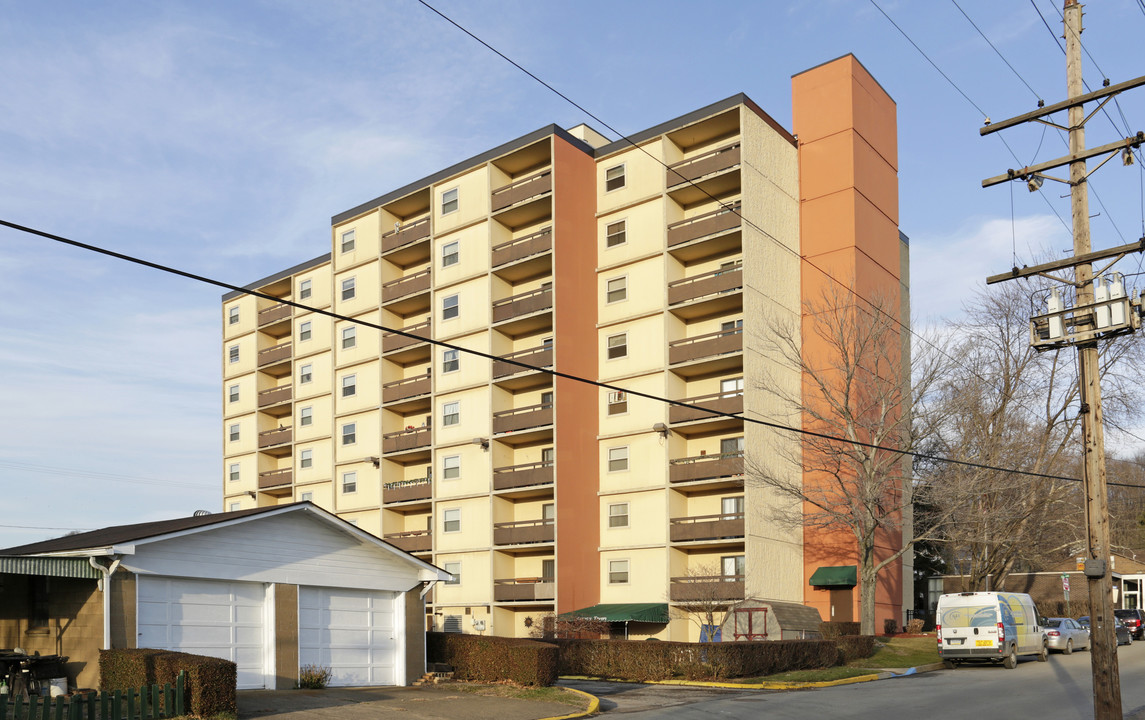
611	261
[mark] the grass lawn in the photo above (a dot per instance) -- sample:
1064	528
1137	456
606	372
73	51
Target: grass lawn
898	652
824	675
544	694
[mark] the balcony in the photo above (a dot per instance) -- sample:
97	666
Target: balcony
276	401
407	490
703	588
524	201
524	418
524	589
714	348
523	532
706	467
705	175
406	350
712	293
407	395
400	246
407	440
412	541
706	527
535	246
712	233
275	360
725	402
526	475
519	314
275	320
514	377
276	482
276	442
407	294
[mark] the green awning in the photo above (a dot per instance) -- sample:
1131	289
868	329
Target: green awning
624	612
834	576
68	567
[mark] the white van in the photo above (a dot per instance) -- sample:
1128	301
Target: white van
989	626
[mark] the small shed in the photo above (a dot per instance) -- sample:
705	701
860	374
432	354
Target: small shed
771	620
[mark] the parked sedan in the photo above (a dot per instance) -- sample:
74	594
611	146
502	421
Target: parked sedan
1134	620
1066	635
1124	637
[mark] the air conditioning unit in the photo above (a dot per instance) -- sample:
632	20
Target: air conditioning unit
617	397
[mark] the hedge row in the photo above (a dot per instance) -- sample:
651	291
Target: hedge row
210	683
832	630
489	659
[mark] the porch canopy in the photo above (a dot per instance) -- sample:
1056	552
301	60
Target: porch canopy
624	612
834	576
49	566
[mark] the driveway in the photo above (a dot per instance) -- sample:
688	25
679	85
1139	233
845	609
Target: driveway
617	697
429	702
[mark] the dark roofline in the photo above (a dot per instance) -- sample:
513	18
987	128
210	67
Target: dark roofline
860	62
503	149
278	276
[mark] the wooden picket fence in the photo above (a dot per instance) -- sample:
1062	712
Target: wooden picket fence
144	703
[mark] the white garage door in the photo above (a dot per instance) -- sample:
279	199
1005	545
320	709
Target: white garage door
206	617
351	632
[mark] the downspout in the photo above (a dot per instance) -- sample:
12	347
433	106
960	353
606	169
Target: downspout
424	642
105	582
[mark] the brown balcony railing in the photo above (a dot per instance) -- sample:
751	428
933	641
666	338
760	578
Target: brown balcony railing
407	388
523	304
523	247
405	235
705	467
701	165
273	355
522	189
515	476
728	402
703	225
710	283
278	436
406	490
408	285
393	341
274	313
523	532
720	342
407	439
275	478
411	541
540	356
275	396
528	588
523	418
709	587
706	527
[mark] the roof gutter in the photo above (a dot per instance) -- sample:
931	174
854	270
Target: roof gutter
104	585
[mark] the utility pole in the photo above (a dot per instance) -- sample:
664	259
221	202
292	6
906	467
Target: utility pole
1094	317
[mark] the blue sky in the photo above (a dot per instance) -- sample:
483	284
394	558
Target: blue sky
220	137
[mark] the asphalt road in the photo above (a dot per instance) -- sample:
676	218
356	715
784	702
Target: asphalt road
1060	688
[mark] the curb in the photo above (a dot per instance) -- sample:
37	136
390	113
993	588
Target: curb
592	709
884	674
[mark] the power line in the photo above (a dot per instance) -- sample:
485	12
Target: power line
93	475
526	366
999	53
43	527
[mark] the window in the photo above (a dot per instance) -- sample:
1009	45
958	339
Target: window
732	326
616	233
451	413
348	241
305	374
454	569
349	482
306	459
548	570
349	385
617	289
548	455
618	515
451	467
732	566
618	459
617	572
304	289
449	307
234	432
233	315
732	505
617	403
305	416
233	353
307	497
450	253
348	289
451	521
547	399
614	178
349	433
349	337
234	472
617	346
731	446
549	511
731	388
304	331
233	507
449	201
233	393
450	361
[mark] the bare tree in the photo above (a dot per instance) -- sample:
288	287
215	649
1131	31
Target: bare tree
707	599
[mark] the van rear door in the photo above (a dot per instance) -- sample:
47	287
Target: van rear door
973	625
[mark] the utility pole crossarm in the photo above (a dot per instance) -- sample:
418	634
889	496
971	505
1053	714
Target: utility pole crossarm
1070	262
1130	142
1063	105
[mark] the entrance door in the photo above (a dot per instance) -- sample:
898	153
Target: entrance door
842	604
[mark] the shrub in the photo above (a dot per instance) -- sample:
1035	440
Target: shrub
890	626
313	677
831	630
210	684
914	627
855	647
489	659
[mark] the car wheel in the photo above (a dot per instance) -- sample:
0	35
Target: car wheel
1011	660
1068	648
1045	653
